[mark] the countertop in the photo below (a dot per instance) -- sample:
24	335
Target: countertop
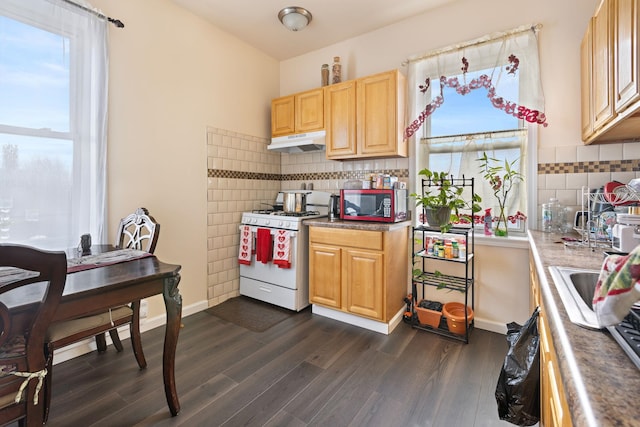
602	385
356	225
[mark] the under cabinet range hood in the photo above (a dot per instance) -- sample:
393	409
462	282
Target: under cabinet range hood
299	143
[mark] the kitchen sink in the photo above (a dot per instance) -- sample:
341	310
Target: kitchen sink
576	287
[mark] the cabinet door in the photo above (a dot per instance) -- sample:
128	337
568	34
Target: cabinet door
625	45
282	116
586	82
309	111
377	115
602	67
363	279
340	120
554	410
325	279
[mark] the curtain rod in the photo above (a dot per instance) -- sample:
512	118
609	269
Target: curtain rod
118	23
482	40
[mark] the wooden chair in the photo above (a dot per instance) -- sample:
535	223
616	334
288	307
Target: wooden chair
137	231
23	364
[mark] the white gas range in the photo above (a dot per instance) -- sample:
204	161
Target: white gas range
267	279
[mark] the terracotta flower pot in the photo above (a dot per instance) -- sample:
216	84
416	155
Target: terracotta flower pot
427	316
454	312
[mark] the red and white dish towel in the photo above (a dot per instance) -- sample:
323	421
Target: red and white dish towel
618	288
264	245
246	245
282	249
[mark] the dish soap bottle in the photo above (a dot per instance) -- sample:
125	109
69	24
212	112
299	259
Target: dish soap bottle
488	222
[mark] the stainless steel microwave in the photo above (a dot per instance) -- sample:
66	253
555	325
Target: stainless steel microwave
385	205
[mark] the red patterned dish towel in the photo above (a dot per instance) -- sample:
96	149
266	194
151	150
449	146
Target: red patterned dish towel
246	245
264	245
617	288
282	249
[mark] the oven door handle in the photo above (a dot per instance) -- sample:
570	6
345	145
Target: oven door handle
272	230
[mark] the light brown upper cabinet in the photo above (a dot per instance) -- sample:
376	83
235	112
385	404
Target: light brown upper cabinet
298	113
625	53
365	117
609	60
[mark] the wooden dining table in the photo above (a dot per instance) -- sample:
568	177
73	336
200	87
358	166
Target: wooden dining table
97	289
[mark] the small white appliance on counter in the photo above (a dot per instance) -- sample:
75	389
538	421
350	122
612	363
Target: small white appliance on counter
626	233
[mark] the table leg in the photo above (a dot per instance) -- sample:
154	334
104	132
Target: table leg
173	303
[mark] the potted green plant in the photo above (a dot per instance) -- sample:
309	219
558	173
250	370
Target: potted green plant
502	177
443	199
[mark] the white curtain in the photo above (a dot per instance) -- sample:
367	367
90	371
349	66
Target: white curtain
458	155
506	67
77	203
503	55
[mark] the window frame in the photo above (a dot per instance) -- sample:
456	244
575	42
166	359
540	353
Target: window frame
87	207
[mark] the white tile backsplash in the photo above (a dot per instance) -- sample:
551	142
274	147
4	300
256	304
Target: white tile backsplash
576	180
588	153
630	150
232	154
623	177
556	182
610	152
568	187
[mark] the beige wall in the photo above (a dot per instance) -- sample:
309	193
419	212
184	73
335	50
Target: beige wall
171	76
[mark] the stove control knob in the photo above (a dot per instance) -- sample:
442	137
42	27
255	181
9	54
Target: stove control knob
266	222
280	224
287	224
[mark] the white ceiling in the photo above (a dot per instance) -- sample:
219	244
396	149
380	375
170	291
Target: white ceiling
256	21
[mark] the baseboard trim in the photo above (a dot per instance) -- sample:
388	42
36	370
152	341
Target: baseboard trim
146	324
490	325
372	325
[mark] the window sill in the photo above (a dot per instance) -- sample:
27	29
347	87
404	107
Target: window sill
514	240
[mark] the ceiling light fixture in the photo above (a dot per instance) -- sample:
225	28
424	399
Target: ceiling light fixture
294	18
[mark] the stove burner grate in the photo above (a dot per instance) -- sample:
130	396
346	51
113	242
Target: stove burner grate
629	333
283	213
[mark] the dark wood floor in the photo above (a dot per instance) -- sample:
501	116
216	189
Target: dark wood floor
306	370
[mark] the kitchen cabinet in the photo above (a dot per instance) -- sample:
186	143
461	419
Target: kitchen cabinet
297	113
625	53
359	272
586	59
365	117
601	66
609	61
554	410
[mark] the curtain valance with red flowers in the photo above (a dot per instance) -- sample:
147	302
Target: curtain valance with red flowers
488	64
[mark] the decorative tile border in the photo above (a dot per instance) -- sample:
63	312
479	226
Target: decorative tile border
311	176
221	173
588	167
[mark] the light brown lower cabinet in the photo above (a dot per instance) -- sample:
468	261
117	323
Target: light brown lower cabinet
359	272
554	410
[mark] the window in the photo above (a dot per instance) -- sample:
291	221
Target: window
52	124
475	100
465	127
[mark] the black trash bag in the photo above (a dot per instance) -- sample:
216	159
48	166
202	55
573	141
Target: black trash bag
518	388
